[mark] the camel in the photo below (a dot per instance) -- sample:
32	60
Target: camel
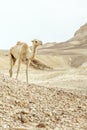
23	54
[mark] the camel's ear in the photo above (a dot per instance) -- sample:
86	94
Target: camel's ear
18	42
34	41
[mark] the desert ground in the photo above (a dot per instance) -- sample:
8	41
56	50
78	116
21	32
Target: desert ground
55	97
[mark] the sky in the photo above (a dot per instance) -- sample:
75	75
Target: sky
46	20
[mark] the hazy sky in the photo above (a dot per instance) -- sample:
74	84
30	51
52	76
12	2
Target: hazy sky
47	20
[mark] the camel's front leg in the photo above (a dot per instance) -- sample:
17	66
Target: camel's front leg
19	63
27	64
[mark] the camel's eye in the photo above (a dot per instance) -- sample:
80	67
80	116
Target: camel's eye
36	41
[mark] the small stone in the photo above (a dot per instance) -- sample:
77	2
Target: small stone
24	119
41	125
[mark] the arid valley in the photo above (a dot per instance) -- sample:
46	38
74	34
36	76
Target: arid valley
56	95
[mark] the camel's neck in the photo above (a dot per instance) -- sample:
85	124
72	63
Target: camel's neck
34	52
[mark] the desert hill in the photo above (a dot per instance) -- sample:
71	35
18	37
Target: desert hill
71	53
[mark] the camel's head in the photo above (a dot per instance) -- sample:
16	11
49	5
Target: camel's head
36	42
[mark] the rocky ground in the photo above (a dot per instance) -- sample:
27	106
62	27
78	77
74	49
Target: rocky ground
33	107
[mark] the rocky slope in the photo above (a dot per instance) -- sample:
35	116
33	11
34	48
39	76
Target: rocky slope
32	107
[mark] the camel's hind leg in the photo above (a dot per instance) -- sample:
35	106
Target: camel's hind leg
12	62
19	63
27	73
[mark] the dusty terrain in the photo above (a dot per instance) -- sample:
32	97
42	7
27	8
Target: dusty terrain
54	99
